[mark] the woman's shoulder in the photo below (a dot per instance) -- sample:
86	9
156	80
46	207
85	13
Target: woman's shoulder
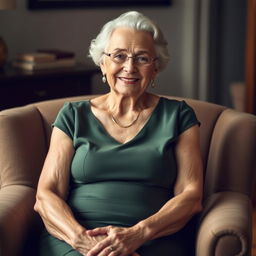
73	108
74	105
180	112
176	106
173	103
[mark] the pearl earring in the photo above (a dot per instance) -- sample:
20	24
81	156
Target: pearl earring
104	79
152	84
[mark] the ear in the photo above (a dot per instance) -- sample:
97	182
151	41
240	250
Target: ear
154	73
102	67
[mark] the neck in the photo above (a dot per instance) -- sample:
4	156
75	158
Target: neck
121	105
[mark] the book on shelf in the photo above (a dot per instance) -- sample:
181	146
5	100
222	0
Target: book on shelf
44	59
44	65
35	57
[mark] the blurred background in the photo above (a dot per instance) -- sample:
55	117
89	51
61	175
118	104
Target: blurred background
206	41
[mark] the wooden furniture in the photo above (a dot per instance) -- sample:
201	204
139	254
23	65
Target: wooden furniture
18	87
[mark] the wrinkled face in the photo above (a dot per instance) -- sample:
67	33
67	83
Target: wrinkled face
129	76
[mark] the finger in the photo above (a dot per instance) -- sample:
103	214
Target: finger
109	251
81	251
98	231
99	247
98	238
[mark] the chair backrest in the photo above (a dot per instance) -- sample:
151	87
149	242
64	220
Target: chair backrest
228	143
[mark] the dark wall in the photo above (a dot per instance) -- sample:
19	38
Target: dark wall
227	47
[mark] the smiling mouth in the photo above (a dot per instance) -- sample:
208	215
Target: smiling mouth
129	80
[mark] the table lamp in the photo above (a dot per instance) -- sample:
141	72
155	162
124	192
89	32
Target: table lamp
5	5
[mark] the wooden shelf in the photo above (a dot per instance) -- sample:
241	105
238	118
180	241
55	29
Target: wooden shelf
18	87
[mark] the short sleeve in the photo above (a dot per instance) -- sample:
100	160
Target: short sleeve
65	120
187	117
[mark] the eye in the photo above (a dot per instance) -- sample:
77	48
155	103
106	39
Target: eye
142	59
119	57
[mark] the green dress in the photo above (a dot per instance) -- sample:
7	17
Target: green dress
120	184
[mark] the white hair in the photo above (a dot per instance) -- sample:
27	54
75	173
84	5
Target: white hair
136	21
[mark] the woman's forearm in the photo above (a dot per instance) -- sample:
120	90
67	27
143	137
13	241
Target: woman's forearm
58	217
172	216
188	189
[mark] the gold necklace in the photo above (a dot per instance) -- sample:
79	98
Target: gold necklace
125	126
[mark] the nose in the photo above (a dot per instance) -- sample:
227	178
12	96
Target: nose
129	65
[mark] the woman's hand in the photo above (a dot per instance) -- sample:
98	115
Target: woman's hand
119	241
83	242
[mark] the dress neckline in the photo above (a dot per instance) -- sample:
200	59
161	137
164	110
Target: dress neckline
138	134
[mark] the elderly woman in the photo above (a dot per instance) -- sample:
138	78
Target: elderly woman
123	174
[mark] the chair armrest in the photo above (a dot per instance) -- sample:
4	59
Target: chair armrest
225	228
16	212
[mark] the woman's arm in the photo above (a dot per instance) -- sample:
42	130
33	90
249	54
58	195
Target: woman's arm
52	192
188	189
174	214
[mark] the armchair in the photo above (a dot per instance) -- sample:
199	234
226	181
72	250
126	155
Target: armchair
228	145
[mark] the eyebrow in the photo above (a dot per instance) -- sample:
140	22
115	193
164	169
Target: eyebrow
125	50
119	50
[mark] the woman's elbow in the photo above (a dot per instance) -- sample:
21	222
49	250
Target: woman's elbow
198	206
36	207
41	197
37	203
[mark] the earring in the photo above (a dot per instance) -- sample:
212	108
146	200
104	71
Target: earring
152	84
104	79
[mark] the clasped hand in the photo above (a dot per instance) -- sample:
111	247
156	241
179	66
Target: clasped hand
118	241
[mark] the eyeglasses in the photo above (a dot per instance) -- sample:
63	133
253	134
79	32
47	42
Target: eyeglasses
139	60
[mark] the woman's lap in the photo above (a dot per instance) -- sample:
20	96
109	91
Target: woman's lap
180	244
165	246
51	246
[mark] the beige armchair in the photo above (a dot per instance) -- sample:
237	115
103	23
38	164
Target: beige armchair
228	144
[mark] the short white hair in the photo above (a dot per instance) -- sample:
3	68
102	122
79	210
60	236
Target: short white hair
136	21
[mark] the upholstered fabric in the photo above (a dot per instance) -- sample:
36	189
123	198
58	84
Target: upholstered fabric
228	145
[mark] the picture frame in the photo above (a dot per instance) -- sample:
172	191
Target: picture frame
43	4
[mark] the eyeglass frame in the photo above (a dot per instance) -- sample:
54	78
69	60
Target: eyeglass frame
131	57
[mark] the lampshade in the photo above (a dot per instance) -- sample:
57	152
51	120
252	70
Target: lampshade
7	4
